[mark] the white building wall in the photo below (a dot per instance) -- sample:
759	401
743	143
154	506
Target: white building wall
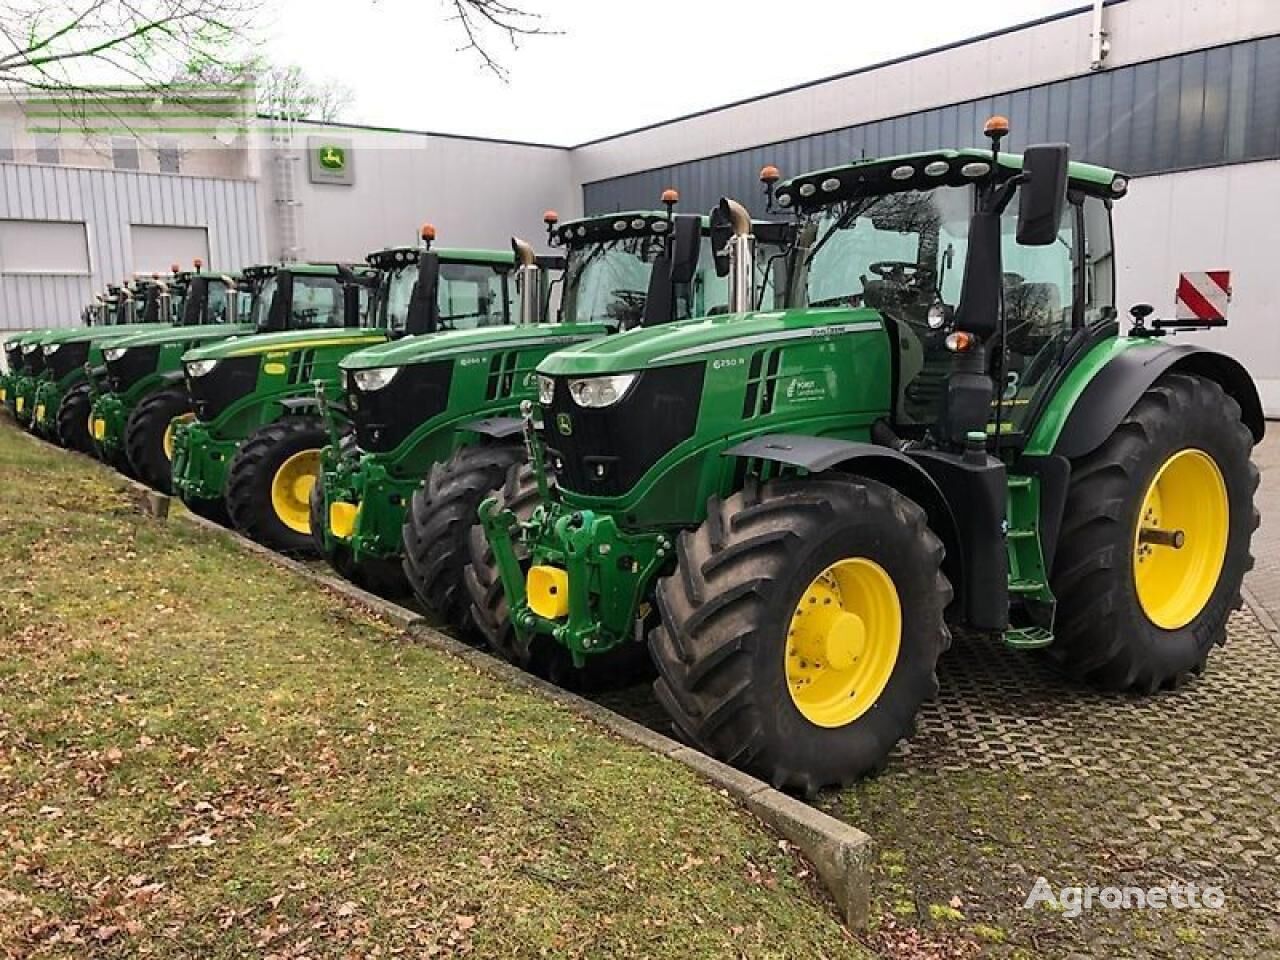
477	193
1223	218
1140	30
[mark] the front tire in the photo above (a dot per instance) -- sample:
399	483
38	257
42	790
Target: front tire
1138	615
270	480
148	436
801	629
73	420
438	526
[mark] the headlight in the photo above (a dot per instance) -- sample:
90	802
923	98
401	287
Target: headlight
198	368
601	391
546	390
115	353
51	348
29	347
376	379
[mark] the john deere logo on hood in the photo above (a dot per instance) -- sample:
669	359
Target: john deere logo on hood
564	424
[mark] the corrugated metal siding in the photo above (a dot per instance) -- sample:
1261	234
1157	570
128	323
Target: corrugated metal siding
107	202
1197	109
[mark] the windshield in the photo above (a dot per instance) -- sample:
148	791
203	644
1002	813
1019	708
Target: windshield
609	283
394	294
261	309
317	302
474	295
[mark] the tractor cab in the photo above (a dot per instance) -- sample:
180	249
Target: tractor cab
937	244
643	268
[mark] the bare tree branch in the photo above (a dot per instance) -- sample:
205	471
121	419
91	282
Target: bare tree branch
479	19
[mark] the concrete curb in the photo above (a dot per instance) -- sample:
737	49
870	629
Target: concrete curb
1258	610
841	854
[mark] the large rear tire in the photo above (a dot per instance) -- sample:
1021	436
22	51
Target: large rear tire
148	436
73	420
270	480
438	526
801	629
1138	615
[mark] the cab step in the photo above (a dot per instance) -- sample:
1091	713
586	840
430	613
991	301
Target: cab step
1028	638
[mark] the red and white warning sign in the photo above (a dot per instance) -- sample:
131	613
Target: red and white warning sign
1203	298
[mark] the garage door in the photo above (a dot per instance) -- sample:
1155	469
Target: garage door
155	249
43	247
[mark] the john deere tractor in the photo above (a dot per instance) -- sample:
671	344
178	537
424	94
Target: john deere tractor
462	433
62	391
794	509
256	438
25	361
139	390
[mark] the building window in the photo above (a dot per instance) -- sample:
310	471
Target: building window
47	149
124	153
6	143
169	157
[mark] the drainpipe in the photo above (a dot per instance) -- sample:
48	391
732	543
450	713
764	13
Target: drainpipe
1100	48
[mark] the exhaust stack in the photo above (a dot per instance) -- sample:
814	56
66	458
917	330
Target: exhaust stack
742	256
528	282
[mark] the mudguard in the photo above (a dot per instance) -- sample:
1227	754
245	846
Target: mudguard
966	556
1114	390
499	428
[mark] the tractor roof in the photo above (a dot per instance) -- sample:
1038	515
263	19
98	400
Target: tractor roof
390	257
639	223
921	171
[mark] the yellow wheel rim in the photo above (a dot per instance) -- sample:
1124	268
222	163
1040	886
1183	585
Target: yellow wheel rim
168	433
291	490
1180	541
843	642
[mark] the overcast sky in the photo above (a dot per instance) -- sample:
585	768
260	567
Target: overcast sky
616	64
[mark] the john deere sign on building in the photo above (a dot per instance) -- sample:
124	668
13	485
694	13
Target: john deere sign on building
330	160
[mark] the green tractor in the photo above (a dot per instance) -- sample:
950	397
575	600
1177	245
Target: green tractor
444	406
794	509
60	405
254	444
139	390
25	361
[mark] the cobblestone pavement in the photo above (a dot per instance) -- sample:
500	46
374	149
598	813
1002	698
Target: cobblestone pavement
1017	773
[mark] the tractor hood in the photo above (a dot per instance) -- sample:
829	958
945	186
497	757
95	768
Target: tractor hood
284	341
448	343
95	334
212	331
689	340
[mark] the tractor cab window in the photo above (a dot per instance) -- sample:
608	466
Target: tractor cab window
1099	262
394	294
900	254
711	292
1039	309
217	308
609	283
317	302
474	295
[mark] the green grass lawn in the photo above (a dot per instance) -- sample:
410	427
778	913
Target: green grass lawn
203	755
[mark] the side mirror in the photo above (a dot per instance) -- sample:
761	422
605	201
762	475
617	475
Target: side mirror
424	306
686	248
721	234
1043	196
